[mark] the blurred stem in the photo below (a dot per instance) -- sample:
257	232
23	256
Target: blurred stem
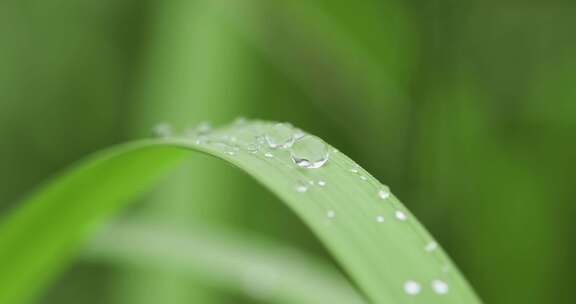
271	272
191	74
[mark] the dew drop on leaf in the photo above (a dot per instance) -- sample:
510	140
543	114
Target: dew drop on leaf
330	214
301	187
440	287
431	246
310	152
380	219
400	215
269	155
321	183
253	150
281	135
412	287
384	193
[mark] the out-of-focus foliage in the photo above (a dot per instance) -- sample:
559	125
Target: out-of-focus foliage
473	104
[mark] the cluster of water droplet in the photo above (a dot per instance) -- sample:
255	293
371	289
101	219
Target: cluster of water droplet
306	151
412	287
288	145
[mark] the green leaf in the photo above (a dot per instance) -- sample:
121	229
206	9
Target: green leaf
272	272
376	240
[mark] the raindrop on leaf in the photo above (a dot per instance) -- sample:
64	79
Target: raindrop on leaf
400	215
412	287
310	152
440	287
280	135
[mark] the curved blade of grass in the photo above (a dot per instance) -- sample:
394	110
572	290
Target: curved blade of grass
377	241
271	272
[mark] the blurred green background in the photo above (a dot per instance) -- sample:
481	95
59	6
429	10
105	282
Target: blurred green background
466	108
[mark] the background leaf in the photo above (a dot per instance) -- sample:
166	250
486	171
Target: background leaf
264	270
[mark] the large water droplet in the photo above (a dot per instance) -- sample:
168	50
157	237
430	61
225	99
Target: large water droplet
280	135
412	287
310	152
440	287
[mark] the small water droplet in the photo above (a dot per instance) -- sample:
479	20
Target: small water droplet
301	187
440	287
400	215
384	193
431	246
311	182
330	214
321	183
380	219
362	177
354	170
309	152
251	147
269	155
412	287
163	129
231	153
261	139
280	135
